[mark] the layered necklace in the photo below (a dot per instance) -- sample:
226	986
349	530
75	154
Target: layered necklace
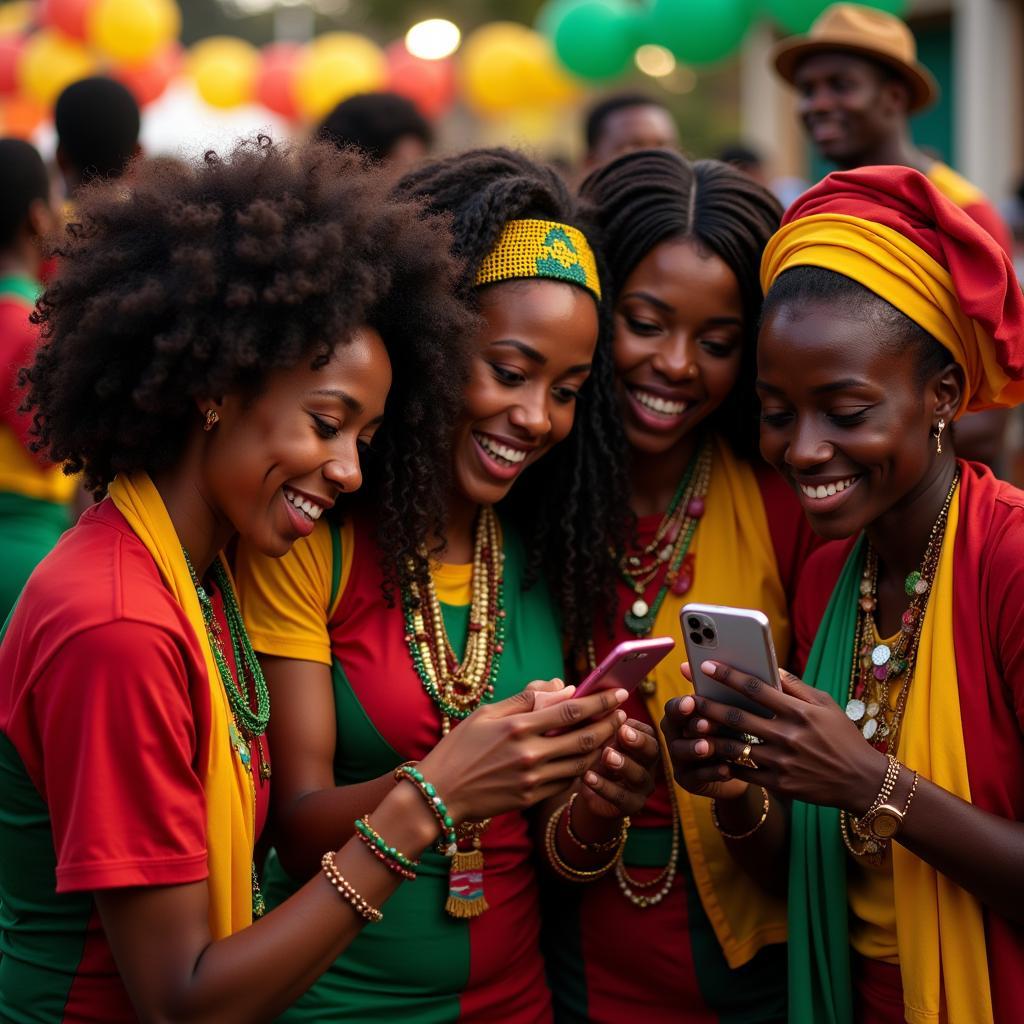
880	667
457	687
246	726
668	551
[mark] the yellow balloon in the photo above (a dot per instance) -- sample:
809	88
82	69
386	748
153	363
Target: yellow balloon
506	66
335	66
224	70
49	63
132	31
16	17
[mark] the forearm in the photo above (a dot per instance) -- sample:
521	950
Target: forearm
587	828
322	820
764	854
979	851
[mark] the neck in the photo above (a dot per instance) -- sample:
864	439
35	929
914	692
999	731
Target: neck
901	535
201	527
896	150
459	528
654	478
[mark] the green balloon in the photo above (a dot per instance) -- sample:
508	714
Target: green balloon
795	15
596	38
699	31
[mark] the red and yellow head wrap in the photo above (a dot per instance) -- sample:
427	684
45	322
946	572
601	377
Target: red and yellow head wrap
892	231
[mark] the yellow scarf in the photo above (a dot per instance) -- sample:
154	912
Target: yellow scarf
227	784
734	564
940	931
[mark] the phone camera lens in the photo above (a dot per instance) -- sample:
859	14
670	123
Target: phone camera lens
709	634
696	638
693	622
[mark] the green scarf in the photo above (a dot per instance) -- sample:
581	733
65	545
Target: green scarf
819	944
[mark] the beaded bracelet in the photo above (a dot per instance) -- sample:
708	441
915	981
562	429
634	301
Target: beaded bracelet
410	773
606	847
346	892
567	871
892	774
749	832
390	856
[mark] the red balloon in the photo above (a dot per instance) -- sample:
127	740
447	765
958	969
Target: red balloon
148	81
10	52
276	78
69	16
430	84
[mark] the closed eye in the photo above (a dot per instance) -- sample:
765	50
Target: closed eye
325	428
506	376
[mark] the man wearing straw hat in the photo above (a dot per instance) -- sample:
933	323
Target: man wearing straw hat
859	80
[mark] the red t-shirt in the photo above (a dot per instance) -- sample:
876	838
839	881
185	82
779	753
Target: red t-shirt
104	724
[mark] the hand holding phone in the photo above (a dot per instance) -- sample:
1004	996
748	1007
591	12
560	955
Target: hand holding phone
626	665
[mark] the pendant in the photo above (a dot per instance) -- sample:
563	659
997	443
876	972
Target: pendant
881	654
466	881
684	576
640	625
911	582
241	747
855	710
872	709
869	728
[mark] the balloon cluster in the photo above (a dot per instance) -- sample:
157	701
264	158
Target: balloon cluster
596	39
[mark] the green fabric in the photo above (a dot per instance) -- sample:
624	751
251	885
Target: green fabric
414	965
22	286
41	937
29	528
820	989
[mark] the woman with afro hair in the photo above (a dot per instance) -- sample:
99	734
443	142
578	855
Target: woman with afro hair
679	931
217	351
375	652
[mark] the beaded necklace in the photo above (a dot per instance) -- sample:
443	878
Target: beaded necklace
246	725
879	667
457	688
669	547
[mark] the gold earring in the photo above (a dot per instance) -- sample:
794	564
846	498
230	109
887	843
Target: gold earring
211	419
938	436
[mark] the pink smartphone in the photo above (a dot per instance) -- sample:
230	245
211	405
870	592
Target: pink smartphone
626	665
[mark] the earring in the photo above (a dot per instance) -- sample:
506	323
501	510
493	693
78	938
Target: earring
938	436
211	419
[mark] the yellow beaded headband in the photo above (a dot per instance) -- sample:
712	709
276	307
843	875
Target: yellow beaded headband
541	248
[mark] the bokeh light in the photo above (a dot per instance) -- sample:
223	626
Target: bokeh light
433	39
654	60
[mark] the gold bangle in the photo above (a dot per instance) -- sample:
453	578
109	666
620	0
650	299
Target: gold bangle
910	795
608	846
567	871
750	832
346	892
892	774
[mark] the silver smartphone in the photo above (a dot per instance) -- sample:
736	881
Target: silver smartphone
739	637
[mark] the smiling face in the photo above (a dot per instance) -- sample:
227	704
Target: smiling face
848	105
678	343
846	417
273	465
532	357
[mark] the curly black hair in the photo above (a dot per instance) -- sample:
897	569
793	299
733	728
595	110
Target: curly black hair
202	279
652	196
572	505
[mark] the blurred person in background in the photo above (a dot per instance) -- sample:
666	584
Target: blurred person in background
34	494
386	126
858	81
745	159
97	122
626	121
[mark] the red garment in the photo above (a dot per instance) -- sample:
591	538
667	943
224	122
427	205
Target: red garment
988	624
987	216
104	707
18	340
904	200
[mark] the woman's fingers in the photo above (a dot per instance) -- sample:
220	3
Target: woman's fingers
570	715
621	799
757	690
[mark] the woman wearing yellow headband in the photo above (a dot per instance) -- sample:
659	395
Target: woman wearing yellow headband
364	680
680	932
888	314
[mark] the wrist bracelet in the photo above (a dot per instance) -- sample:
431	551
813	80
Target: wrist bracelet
743	835
346	892
910	795
390	856
892	774
567	871
410	773
604	847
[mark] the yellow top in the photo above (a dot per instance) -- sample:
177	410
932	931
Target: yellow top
21	474
955	187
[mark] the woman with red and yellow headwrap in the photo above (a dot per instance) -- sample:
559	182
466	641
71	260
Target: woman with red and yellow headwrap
889	313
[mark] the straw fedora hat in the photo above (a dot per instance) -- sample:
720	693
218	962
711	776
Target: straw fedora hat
865	32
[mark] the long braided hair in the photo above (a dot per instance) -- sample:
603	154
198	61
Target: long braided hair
571	506
652	196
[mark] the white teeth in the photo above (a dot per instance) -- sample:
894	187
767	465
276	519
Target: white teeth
312	510
511	455
658	404
827	490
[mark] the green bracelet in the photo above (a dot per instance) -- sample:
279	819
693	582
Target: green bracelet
412	774
375	839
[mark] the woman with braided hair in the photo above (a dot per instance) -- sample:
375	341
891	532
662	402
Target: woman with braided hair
376	653
680	931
